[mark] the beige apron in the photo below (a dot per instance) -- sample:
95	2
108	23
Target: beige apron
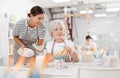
27	42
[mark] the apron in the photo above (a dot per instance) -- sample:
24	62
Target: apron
67	57
27	41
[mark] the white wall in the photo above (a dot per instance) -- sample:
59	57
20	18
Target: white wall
4	39
18	8
107	27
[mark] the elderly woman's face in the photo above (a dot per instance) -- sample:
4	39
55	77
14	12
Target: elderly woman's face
58	32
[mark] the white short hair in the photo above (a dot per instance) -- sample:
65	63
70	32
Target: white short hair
54	24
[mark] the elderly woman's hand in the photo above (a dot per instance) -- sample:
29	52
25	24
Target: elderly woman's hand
73	54
49	57
66	50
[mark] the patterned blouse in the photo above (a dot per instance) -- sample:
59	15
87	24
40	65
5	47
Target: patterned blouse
22	29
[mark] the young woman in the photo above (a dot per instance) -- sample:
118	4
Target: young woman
29	31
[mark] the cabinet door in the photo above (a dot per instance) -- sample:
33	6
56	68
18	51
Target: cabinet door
102	73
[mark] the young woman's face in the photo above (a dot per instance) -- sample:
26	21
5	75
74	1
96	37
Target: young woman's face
58	32
38	19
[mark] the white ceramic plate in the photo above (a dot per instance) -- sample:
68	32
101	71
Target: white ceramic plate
26	52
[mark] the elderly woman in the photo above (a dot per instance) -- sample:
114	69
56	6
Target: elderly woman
59	45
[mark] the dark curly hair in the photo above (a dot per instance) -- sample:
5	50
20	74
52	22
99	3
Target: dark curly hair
36	10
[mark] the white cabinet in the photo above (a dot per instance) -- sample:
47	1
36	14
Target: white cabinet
60	73
99	72
72	72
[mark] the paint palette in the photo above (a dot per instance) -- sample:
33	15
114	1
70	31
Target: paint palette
26	52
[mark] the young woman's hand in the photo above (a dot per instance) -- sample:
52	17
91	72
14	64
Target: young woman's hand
23	46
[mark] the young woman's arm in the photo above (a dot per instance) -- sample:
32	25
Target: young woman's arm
18	41
40	42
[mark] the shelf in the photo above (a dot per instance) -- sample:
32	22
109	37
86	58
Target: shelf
10	38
